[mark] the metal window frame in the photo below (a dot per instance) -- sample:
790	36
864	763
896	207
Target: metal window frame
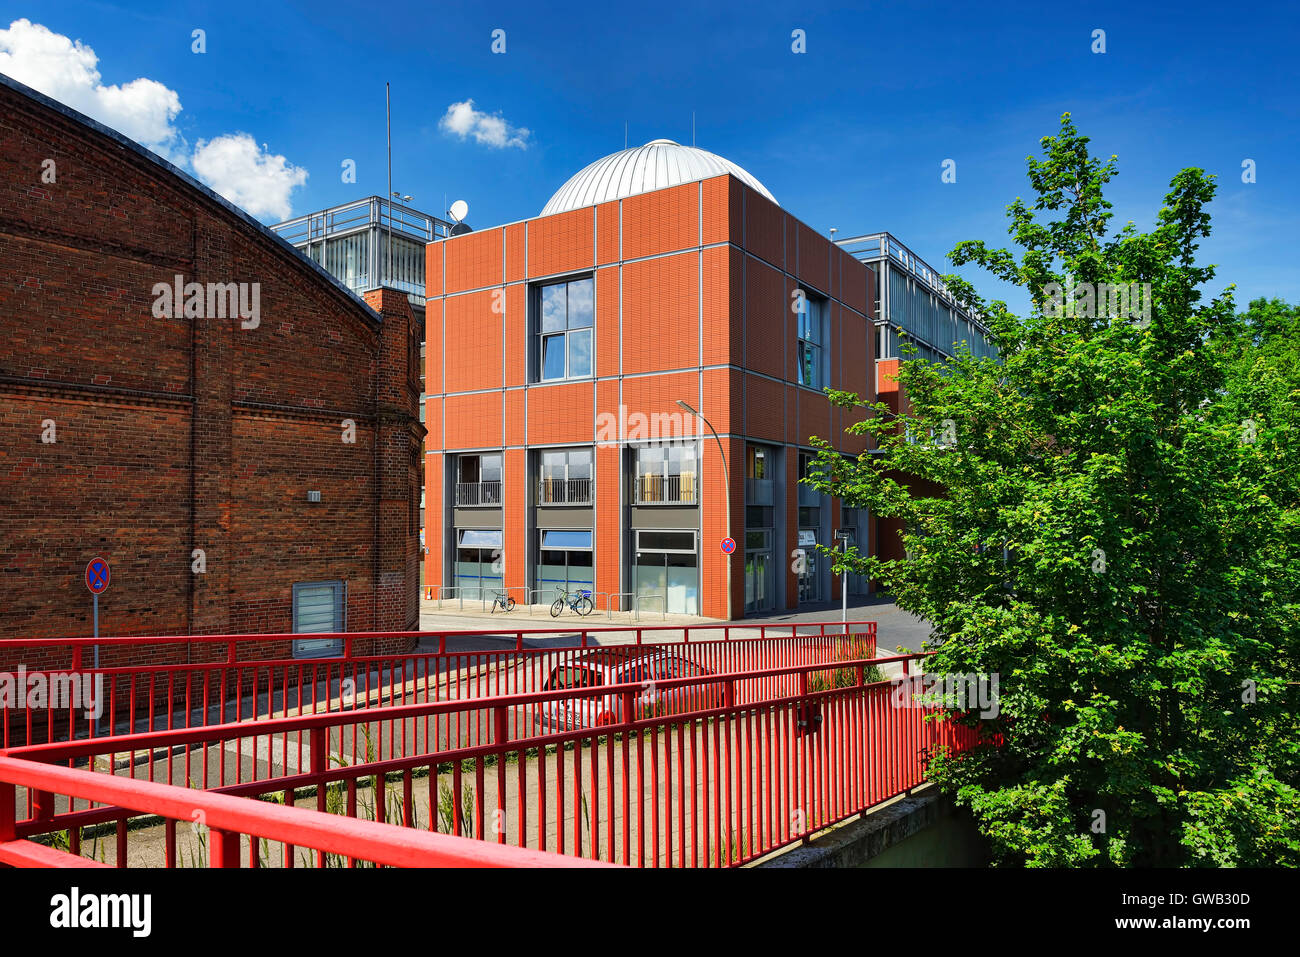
340	587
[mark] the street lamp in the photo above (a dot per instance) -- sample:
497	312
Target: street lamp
726	499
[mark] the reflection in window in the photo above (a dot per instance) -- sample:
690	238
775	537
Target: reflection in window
565	314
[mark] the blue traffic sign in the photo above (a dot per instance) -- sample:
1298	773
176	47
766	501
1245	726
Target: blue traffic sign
97	575
728	545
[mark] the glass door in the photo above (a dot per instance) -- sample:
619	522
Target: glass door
759	572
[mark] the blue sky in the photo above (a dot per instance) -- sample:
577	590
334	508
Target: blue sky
851	134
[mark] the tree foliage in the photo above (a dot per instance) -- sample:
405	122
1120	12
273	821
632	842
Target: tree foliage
1116	538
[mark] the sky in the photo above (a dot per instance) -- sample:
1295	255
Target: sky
499	103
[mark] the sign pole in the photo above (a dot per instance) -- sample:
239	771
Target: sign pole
97	578
844	589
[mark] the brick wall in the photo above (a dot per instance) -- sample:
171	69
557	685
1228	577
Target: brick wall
180	433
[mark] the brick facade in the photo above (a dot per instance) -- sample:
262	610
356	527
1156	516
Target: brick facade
693	294
175	434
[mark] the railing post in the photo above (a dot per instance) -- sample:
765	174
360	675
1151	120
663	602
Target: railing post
8	811
223	848
500	730
42	805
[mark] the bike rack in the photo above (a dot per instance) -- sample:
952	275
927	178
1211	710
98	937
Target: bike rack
663	604
609	603
459	596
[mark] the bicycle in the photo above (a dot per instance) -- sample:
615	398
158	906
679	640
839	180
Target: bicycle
504	601
580	601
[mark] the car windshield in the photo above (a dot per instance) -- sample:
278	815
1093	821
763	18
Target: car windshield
573	677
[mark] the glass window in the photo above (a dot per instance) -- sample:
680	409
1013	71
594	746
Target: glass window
666	474
554	308
811	326
666	541
565	313
580	353
556	539
480	538
553	357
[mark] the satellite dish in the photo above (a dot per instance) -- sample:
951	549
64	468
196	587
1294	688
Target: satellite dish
459	210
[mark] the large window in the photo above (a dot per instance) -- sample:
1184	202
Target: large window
478	479
479	563
812	337
564	477
564	561
665	474
563	316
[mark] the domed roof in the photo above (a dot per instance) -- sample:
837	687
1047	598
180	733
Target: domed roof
658	164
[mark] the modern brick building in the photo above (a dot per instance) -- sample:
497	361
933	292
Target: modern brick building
243	449
559	349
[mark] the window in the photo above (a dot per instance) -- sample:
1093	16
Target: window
321	608
665	474
566	539
812	336
565	477
479	564
756	462
564	561
478	479
564	313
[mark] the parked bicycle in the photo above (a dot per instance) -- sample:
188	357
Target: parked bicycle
580	601
504	602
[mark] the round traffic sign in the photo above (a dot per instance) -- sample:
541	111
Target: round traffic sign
728	545
97	575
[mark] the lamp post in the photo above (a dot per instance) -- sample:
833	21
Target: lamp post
726	498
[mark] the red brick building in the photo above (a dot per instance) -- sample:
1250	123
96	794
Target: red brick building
559	349
245	455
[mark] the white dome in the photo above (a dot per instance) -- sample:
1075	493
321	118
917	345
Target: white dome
658	164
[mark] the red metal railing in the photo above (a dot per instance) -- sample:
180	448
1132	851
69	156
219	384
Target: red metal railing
229	683
230	820
717	782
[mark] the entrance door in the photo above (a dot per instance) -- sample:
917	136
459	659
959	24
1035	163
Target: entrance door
810	581
667	572
760	578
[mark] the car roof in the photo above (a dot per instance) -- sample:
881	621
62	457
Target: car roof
621	654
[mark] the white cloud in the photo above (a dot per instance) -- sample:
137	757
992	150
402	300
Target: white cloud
145	110
248	175
461	119
66	70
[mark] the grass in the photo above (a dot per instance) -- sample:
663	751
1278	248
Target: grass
859	646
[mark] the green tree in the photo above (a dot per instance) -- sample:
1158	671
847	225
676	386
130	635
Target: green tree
1115	537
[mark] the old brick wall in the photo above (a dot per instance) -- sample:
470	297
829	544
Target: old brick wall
173	433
